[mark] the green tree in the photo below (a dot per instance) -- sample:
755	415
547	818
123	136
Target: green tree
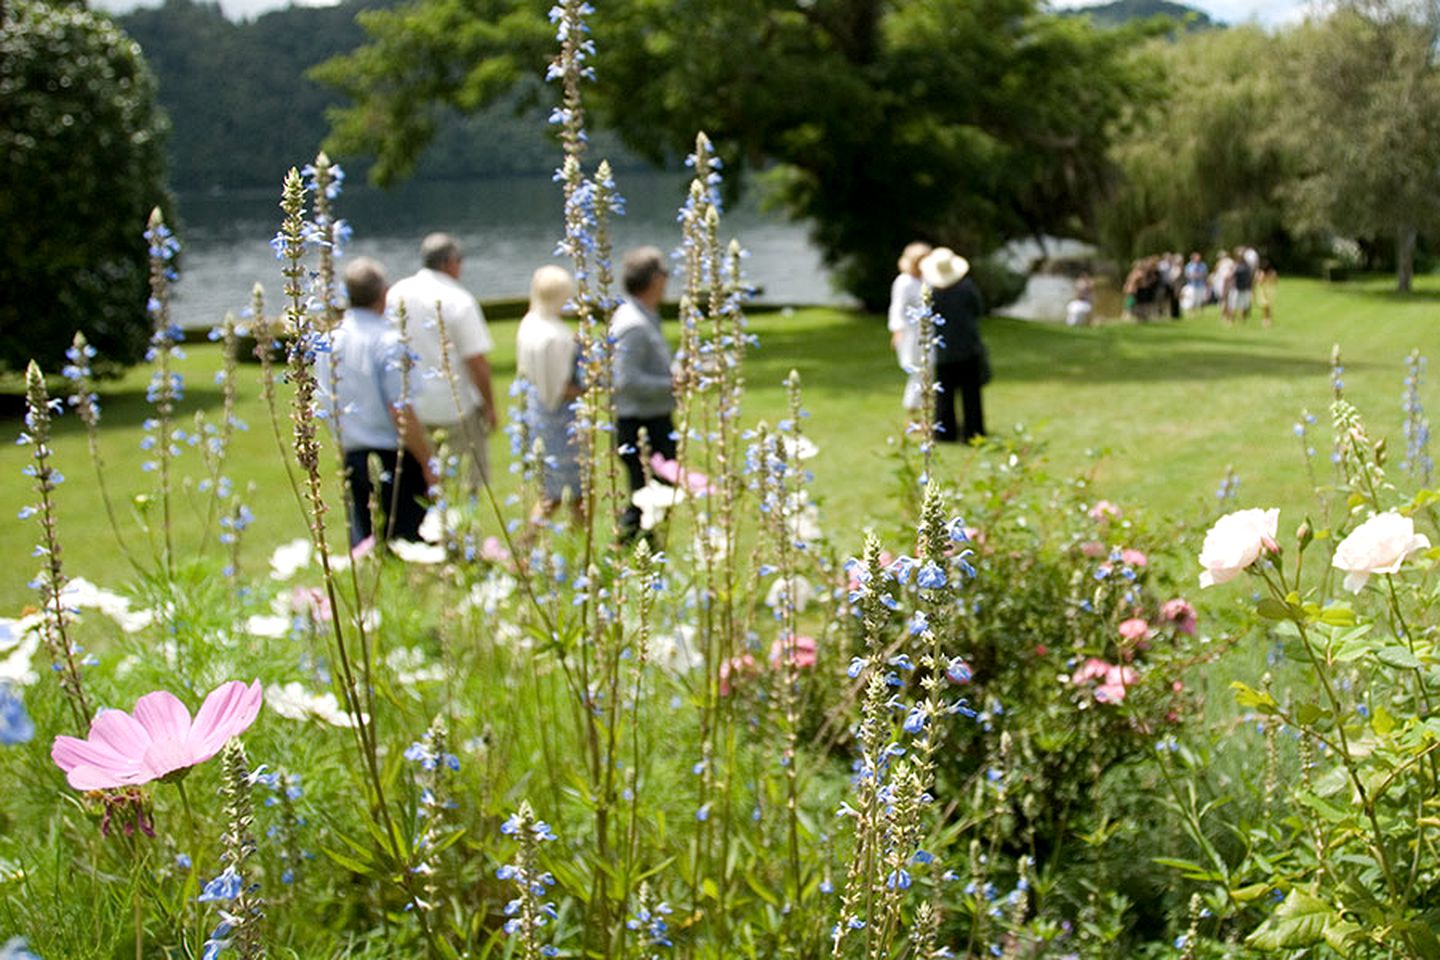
967	122
1368	91
83	166
1210	163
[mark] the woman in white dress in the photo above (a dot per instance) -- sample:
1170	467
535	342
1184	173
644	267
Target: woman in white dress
546	355
905	293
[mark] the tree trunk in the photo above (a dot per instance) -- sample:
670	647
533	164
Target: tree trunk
1404	259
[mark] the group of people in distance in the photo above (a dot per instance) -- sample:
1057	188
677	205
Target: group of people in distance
1167	285
959	365
377	420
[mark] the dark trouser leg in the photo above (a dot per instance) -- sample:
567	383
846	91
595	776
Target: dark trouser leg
409	511
948	377
970	387
357	476
657	440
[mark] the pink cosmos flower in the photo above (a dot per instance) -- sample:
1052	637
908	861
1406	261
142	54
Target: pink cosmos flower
1134	557
1091	669
363	549
1179	614
669	471
493	551
1103	511
805	652
311	602
158	740
1134	629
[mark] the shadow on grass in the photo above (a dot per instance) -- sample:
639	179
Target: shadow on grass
853	355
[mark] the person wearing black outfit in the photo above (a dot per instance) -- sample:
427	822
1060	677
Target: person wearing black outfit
962	365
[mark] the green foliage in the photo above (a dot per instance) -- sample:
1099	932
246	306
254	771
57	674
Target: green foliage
962	123
83	165
1209	165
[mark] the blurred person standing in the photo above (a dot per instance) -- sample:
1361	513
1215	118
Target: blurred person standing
905	298
546	357
962	365
360	381
466	408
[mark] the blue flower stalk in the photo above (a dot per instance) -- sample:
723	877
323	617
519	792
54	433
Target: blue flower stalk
285	832
326	236
51	580
243	912
86	403
529	912
166	386
1418	462
217	439
927	322
436	764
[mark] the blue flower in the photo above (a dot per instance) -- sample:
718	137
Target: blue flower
227	886
16	727
931	577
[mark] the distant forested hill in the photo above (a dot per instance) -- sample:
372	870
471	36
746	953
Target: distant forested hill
1123	11
242	111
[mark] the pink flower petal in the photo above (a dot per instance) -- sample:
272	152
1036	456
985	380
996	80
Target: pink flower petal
120	733
166	756
86	777
227	711
70	754
163	716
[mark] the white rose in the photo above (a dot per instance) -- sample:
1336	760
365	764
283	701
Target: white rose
1379	545
1235	542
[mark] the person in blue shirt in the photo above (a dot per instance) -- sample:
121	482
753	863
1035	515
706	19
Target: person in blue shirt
362	396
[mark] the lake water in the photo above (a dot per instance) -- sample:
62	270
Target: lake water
508	228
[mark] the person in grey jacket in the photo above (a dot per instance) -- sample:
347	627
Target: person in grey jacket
642	381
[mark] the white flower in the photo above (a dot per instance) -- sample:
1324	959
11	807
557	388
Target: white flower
677	651
804	593
1379	545
412	666
289	558
654	499
1235	542
262	625
80	593
434	525
21	640
802	518
487	595
799	448
295	702
425	553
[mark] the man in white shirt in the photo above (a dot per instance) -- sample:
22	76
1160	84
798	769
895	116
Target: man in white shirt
466	408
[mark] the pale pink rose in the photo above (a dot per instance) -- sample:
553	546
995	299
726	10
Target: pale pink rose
1103	511
1179	614
1117	681
1135	629
160	739
1133	557
1379	545
669	471
1092	549
1091	669
1235	542
804	647
735	667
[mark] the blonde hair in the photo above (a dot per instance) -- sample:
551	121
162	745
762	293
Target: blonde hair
550	289
911	257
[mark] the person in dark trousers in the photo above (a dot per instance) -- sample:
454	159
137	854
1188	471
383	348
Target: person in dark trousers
643	383
361	394
962	366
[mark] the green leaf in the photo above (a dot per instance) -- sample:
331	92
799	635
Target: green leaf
1252	892
1272	609
1398	657
1247	696
1382	722
1341	935
1339	615
1300	921
1308	713
349	863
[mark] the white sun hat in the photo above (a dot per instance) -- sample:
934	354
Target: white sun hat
943	268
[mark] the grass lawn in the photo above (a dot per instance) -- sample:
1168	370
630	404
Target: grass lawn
1166	407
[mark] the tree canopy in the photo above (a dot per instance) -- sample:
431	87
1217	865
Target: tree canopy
83	166
966	123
